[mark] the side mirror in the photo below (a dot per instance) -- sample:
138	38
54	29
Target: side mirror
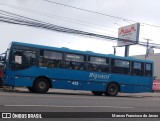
1	58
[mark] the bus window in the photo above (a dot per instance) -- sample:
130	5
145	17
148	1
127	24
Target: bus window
50	59
31	57
17	57
98	64
23	59
120	66
137	68
148	69
53	55
74	61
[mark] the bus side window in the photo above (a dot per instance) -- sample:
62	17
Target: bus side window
68	64
137	68
17	59
43	62
50	59
30	57
75	61
54	63
23	59
120	66
148	69
98	64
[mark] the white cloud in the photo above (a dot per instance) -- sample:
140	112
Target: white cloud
144	11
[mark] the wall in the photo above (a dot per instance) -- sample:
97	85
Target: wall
156	58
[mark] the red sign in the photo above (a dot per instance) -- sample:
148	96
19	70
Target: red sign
156	85
127	30
129	33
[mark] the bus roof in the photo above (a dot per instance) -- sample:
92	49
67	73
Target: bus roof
64	49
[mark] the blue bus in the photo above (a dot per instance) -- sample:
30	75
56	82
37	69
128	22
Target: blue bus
40	67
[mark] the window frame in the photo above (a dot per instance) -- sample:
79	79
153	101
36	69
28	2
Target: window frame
51	57
137	71
98	67
80	55
75	64
50	62
120	60
105	58
21	66
120	69
149	72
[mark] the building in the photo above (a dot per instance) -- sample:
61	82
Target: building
156	58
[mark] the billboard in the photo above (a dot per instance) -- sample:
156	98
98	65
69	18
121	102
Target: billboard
129	33
156	85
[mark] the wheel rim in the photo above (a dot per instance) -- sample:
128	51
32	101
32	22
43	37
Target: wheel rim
42	85
112	90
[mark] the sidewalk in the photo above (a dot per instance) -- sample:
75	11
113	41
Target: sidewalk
148	94
23	89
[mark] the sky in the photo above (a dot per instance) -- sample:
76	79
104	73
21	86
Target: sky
136	10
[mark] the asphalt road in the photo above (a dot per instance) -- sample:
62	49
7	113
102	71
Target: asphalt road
22	101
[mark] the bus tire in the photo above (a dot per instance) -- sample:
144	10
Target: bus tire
97	93
112	89
31	89
41	85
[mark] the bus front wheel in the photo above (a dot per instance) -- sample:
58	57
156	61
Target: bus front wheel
112	89
97	93
41	85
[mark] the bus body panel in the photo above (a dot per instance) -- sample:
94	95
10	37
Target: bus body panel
79	80
64	78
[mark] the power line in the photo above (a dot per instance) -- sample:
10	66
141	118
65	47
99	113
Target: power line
103	14
21	20
93	25
37	23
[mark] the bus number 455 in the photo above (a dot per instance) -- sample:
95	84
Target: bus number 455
75	83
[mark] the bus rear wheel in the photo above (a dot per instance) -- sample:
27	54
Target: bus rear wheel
41	85
112	89
97	93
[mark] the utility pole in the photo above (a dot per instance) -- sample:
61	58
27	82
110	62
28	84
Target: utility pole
114	51
147	51
126	54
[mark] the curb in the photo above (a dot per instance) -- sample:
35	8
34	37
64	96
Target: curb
23	89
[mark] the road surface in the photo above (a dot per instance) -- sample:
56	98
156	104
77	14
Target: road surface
23	101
